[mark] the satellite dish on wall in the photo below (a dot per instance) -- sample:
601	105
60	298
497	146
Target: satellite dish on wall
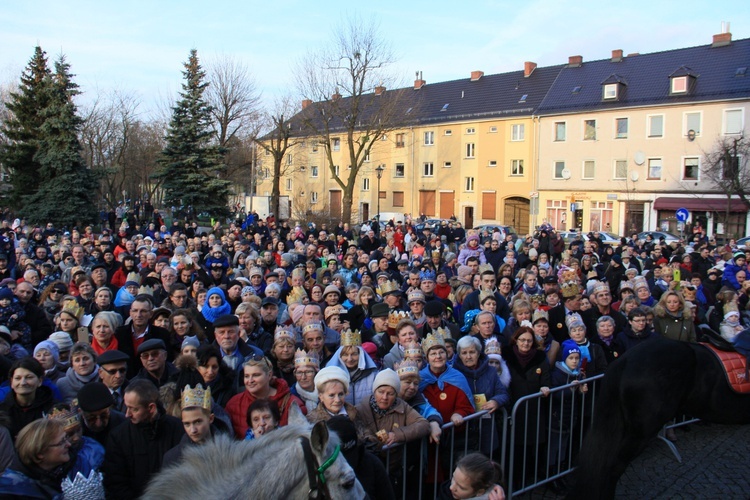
634	176
691	135
639	158
565	173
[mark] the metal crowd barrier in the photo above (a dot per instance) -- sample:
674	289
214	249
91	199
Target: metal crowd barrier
552	430
675	423
449	436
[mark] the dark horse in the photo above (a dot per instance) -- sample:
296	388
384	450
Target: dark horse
643	390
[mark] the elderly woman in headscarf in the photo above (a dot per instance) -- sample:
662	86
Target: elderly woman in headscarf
357	363
48	355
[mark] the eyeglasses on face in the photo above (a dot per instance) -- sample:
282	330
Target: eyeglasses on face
151	354
65	441
116	371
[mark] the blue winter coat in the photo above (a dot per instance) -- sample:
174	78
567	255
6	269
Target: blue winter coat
484	380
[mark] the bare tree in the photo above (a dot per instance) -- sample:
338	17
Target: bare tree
726	166
278	143
234	97
350	108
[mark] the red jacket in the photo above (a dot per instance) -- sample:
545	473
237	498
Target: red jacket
238	405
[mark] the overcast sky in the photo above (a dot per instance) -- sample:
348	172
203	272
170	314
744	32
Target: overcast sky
139	46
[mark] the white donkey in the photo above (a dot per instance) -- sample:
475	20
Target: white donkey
295	462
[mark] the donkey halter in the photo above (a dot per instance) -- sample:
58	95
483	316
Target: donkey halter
315	473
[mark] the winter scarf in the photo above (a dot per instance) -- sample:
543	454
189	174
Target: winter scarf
212	313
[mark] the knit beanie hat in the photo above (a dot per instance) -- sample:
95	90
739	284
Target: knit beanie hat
63	341
51	347
569	347
6	293
387	377
331	373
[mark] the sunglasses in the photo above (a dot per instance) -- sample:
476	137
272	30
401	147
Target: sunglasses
116	371
151	354
56	291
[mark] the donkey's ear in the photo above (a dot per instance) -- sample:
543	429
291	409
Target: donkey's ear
295	416
319	438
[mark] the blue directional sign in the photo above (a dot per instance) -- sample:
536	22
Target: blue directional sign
682	214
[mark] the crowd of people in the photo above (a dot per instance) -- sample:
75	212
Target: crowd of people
125	346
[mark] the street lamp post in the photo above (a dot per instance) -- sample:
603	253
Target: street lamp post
379	171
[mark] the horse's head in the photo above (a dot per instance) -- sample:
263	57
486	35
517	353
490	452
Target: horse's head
329	475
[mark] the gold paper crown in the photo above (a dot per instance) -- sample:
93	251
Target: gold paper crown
600	288
147	290
388	287
415	295
302	358
568	274
486	294
432	340
540	314
296	295
570	289
395	317
627	284
444	332
407	367
135	277
312	326
284	333
197	397
70	418
412	349
71	307
351	338
731	307
485	267
298	273
492	347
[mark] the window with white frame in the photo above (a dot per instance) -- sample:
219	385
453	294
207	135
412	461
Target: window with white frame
589	169
365	184
654	168
399	171
493	130
492	163
560	131
692	122
367	156
448	132
730	167
470	150
621	169
428	169
559	166
589	130
517	132
314	146
679	84
690	169
469	184
289	159
516	167
557	213
289	184
621	128
471	130
447	164
429	138
610	91
313	197
601	215
400	140
336	170
313	171
335	145
733	121
655	125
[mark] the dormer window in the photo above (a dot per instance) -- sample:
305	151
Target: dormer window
679	85
681	81
613	88
610	91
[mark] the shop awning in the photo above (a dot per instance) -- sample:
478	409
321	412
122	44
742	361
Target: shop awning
699	204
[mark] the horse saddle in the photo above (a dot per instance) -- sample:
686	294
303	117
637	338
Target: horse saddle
735	367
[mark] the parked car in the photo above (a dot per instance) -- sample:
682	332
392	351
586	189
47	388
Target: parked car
657	235
503	229
607	238
430	224
744	242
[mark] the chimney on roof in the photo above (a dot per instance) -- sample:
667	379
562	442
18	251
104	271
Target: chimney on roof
633	54
528	68
617	55
379	90
575	61
476	75
306	103
419	82
336	96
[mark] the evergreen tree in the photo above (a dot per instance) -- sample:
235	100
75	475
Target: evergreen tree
190	165
67	189
22	129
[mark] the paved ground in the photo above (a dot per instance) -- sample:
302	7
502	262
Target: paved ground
715	464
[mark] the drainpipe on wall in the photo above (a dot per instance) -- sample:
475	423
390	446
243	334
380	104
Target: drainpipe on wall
535	151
